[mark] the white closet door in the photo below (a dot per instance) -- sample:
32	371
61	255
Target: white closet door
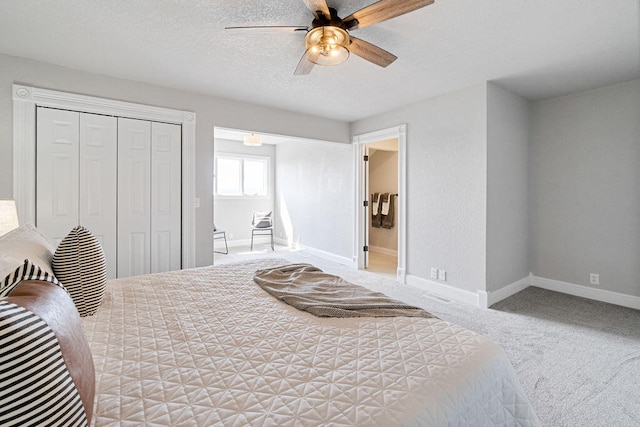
98	180
165	197
56	172
134	197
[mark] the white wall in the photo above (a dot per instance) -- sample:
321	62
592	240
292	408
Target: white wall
383	178
585	183
508	253
211	111
446	184
234	214
314	196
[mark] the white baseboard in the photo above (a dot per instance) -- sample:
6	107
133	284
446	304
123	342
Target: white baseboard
506	291
487	299
281	241
477	299
610	297
330	256
384	251
244	242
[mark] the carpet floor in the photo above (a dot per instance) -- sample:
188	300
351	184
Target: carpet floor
577	359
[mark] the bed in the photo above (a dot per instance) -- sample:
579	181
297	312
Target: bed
210	346
206	346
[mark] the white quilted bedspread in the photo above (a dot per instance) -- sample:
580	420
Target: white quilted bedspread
208	347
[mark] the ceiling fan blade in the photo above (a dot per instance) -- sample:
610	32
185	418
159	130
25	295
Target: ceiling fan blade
316	6
381	11
304	66
268	29
371	52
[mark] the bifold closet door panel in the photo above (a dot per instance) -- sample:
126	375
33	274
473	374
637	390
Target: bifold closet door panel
57	141
98	182
134	197
165	197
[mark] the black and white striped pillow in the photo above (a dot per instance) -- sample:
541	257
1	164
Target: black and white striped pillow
35	385
80	265
26	271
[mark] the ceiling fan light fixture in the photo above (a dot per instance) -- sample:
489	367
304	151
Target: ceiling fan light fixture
252	140
327	45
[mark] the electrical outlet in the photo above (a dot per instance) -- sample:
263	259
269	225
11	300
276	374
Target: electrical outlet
434	273
442	275
230	236
196	202
594	278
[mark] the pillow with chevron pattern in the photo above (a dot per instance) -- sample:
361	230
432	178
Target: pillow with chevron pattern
80	265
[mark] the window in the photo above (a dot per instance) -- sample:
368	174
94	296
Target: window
238	175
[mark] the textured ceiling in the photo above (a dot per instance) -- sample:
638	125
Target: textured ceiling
539	49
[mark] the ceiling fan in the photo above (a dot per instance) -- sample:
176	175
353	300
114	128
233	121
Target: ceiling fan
329	42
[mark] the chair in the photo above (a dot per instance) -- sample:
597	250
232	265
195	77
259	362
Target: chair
261	224
220	234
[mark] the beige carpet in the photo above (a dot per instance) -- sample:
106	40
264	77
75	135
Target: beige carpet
578	360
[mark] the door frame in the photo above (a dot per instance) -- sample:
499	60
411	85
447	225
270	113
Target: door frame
360	218
25	100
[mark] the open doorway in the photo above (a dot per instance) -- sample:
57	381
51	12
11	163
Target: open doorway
383	197
381	214
309	192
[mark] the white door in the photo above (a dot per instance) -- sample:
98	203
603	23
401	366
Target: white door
165	197
57	172
134	197
98	181
367	204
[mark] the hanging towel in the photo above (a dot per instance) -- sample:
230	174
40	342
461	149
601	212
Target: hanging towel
385	204
388	219
376	217
375	199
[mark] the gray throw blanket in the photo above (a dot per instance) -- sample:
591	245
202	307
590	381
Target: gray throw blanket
308	288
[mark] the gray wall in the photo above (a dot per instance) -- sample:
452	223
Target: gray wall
446	184
508	130
314	196
234	214
211	111
383	178
585	182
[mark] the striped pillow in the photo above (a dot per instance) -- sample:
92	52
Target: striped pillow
80	265
27	271
35	385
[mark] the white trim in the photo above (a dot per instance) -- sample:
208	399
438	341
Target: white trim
477	299
384	251
25	100
507	291
359	256
401	275
602	295
329	256
359	143
487	299
312	251
263	239
281	241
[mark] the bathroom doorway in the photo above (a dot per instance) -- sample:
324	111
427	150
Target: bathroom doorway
380	222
